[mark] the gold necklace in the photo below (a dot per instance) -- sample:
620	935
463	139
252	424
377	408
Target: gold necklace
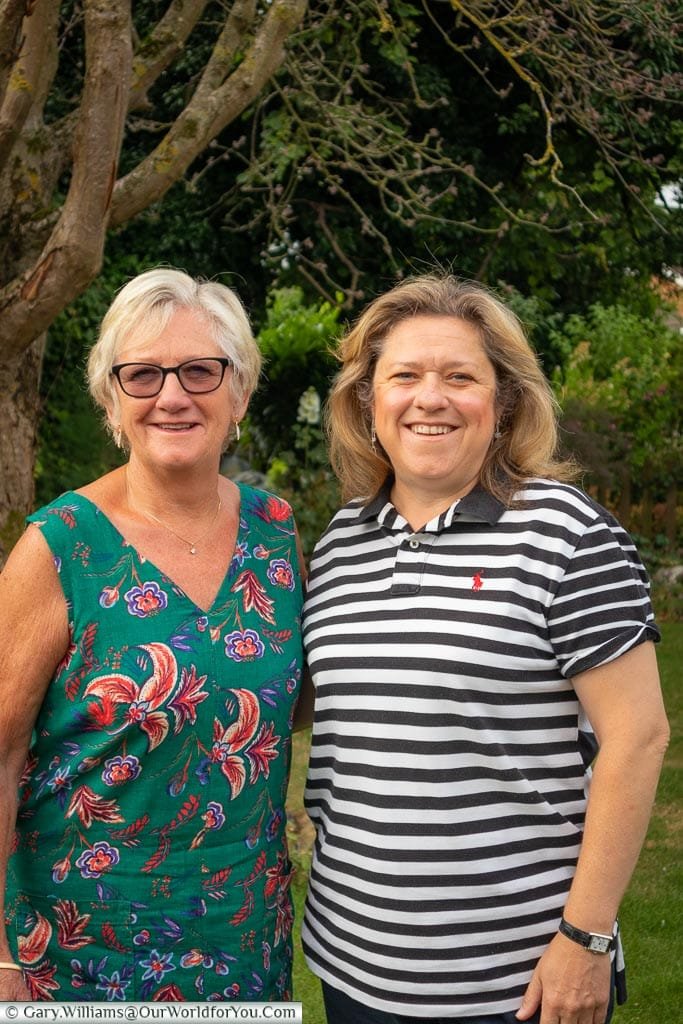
192	545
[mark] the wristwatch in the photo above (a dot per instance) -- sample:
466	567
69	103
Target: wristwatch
589	940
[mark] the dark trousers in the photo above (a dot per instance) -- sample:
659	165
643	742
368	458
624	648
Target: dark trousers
342	1009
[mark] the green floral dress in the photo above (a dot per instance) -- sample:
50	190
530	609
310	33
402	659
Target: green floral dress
150	859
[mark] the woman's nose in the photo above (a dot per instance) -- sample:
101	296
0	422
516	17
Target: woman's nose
172	391
431	392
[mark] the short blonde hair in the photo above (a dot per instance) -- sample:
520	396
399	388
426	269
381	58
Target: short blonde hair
525	406
148	301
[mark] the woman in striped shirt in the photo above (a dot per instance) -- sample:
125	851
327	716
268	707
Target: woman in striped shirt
478	630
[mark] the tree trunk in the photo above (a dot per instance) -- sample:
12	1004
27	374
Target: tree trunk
19	402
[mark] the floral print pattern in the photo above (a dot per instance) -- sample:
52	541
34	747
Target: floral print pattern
152	803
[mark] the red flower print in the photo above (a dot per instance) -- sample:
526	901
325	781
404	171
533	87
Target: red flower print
32	947
227	741
280	573
277	509
109	596
89	807
146	600
61	869
254	595
244	645
71	925
143	701
190	694
40	981
278	880
169	993
69	653
95	861
262	751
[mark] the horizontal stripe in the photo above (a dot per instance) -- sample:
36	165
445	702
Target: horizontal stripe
450	755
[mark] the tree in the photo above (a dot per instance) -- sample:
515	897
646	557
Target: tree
103	109
620	392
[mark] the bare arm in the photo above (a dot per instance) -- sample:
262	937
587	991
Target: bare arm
35	631
624	704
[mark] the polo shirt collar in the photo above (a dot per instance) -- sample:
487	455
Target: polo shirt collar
477	504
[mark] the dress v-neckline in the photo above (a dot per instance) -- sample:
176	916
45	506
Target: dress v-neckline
143	560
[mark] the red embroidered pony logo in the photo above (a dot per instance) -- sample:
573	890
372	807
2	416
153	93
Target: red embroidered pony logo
477	581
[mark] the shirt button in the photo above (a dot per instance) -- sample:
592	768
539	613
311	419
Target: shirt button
414	544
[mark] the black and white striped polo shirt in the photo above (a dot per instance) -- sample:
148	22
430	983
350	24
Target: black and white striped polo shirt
450	758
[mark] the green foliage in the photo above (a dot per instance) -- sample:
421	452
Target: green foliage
73	446
302	475
296	340
620	390
285	434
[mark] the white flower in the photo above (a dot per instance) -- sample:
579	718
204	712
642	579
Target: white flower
309	407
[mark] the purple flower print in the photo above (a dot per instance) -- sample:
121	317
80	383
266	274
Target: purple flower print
280	573
145	600
244	645
115	987
60	780
121	769
273	825
61	869
95	861
157	965
214	817
108	596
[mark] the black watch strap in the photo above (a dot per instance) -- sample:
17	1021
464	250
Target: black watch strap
592	941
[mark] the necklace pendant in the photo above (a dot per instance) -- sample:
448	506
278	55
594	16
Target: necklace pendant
193	550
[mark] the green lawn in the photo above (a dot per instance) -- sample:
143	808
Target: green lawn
652	911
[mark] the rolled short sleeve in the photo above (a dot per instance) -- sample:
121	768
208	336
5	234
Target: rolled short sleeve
601	607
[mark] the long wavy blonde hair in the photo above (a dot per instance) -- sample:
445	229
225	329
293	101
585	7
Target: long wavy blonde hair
525	405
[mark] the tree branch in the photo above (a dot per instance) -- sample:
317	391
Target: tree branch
12	13
73	253
217	101
161	47
32	74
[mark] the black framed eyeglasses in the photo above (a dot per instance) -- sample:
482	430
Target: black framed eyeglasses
145	380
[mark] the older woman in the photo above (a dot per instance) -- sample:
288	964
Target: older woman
151	644
476	629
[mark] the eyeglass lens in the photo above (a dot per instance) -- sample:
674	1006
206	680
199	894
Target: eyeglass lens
142	380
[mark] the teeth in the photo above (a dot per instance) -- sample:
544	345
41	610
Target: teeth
173	426
421	428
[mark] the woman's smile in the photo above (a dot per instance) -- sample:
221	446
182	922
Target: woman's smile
434	404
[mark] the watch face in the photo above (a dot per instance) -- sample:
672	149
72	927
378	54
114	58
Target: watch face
599	944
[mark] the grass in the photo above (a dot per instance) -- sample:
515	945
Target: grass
652	910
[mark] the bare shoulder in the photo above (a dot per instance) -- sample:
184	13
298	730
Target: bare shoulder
30	569
33	609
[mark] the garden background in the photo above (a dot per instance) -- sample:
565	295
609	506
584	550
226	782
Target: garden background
310	154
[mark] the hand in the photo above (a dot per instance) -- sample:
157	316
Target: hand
570	984
13	987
